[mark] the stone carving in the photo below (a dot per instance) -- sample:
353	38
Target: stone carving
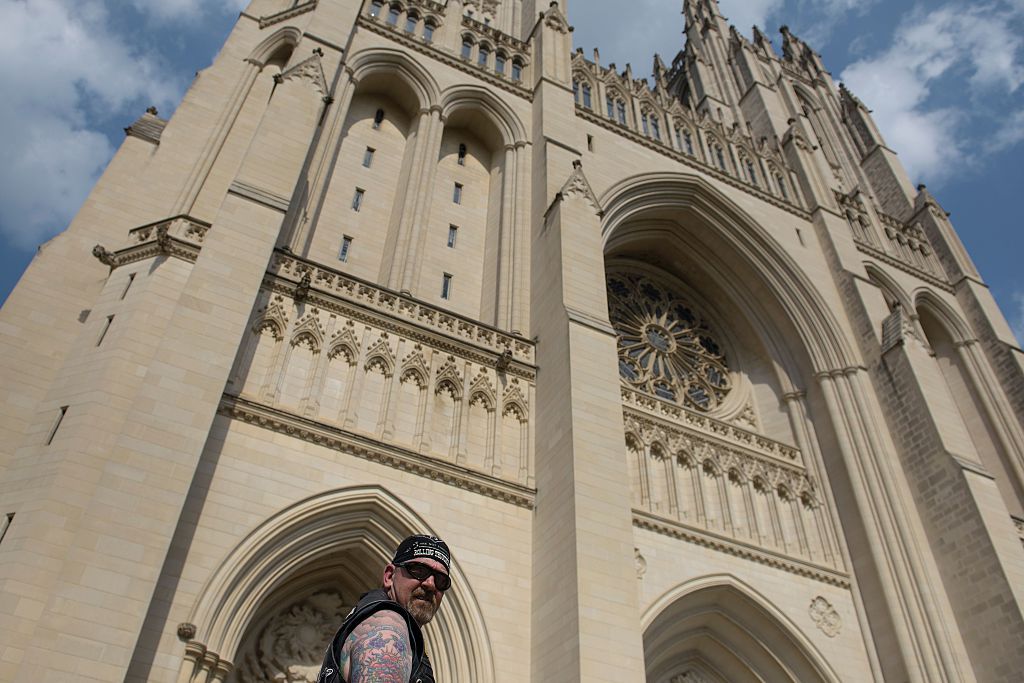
448	379
105	257
414	367
186	631
666	348
310	69
639	563
825	616
344	343
289	647
481	389
379	357
690	676
578	186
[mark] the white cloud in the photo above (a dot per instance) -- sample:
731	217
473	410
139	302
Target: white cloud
931	50
185	10
63	68
745	14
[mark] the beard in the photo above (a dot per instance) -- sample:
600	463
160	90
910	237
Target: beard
422	607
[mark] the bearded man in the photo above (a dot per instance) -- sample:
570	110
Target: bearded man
380	640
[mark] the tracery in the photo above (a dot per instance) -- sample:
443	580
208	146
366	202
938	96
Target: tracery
666	347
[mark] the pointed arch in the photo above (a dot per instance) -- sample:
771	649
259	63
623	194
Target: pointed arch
476	98
358	528
733	629
770	268
396	64
956	327
287	37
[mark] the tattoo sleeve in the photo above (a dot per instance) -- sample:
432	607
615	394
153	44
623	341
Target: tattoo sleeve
378	650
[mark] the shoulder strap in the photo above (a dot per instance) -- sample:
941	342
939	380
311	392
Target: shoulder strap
330	670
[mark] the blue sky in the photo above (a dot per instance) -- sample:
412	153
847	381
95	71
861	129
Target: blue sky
945	79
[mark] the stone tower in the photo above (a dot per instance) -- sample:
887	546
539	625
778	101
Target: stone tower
694	382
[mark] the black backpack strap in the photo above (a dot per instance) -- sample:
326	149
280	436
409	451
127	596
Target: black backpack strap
330	670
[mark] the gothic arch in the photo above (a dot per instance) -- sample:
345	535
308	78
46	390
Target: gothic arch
475	98
888	286
288	37
726	624
391	63
362	523
772	269
956	328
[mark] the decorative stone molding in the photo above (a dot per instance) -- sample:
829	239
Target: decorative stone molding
446	58
370	449
186	631
289	644
179	237
691	161
653	413
709	539
401	314
284	15
309	69
825	617
577	185
639	563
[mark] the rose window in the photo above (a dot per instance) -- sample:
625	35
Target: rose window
665	347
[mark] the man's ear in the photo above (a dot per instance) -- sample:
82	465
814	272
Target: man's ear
389	577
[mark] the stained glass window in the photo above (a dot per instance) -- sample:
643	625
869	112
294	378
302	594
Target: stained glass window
666	347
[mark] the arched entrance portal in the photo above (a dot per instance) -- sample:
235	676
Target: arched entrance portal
717	629
275	601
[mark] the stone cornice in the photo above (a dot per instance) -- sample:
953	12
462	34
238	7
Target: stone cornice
284	15
708	539
402	314
692	161
672	417
899	263
304	429
179	237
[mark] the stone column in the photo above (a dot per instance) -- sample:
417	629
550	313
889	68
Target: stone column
583	574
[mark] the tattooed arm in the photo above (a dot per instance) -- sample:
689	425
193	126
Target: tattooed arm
378	650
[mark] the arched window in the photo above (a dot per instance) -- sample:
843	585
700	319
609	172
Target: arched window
375	7
483	55
462	155
517	70
467	48
751	172
620	111
587	102
643	121
393	15
378	119
499	62
428	31
782	186
610	103
655	127
688	142
410	23
719	156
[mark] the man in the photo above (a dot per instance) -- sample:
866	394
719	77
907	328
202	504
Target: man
380	640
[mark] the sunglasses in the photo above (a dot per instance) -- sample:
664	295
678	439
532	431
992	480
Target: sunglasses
422	572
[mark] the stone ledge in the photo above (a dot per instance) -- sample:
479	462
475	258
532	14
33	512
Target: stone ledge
367	448
708	539
364	301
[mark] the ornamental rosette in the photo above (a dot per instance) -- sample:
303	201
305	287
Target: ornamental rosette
666	348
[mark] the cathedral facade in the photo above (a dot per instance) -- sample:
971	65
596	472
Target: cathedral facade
697	386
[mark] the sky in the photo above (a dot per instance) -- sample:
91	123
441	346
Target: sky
943	78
